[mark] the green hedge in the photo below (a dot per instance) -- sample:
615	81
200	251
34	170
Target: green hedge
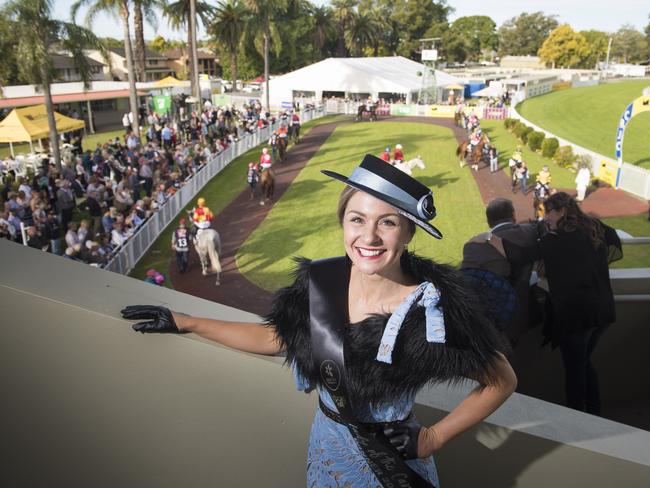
535	140
509	123
524	133
564	157
550	147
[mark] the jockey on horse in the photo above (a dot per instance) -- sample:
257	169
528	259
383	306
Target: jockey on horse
398	155
267	176
385	156
201	216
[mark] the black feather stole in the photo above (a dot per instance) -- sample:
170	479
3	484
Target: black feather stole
470	351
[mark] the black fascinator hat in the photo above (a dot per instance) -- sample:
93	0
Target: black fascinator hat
380	179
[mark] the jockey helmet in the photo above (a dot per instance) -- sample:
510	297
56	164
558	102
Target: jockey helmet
181	222
200	202
265	150
387	149
398	146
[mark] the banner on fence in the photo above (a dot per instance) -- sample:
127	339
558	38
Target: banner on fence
443	111
162	104
220	100
402	109
608	172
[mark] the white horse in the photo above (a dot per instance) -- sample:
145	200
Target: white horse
407	166
208	246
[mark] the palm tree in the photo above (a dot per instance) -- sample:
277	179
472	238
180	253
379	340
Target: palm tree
343	12
227	29
179	15
362	31
114	8
144	10
265	11
37	34
323	27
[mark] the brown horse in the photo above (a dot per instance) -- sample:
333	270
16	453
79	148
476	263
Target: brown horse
283	142
476	155
267	181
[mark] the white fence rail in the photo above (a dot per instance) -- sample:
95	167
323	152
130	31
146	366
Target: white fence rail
128	254
634	180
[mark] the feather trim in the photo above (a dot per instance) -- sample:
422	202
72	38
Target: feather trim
470	351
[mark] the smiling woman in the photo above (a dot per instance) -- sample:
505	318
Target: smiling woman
368	330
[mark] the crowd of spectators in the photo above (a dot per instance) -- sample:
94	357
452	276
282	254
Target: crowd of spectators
117	185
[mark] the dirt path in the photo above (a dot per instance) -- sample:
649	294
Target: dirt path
242	216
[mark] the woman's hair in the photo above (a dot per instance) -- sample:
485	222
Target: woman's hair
574	218
344	199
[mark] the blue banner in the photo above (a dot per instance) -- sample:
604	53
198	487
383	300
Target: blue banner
625	118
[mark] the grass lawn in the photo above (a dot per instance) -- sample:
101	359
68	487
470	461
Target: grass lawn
89	142
219	192
506	143
304	223
635	256
589	116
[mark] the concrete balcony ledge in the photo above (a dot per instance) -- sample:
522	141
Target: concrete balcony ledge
87	402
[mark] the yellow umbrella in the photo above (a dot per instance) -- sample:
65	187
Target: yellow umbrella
168	82
455	86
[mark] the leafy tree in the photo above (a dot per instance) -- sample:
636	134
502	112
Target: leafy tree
564	47
227	29
111	42
477	33
121	8
597	41
8	67
524	35
37	34
629	45
414	18
159	44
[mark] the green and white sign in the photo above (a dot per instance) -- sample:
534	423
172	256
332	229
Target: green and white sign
402	109
162	104
220	100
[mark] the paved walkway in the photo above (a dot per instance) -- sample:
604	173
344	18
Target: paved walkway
242	216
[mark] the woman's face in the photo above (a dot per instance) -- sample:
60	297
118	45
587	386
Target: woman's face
552	217
374	234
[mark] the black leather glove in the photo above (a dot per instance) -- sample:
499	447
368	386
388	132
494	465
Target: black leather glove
155	319
403	436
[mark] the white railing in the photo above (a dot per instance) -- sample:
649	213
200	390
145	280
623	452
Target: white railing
633	179
128	254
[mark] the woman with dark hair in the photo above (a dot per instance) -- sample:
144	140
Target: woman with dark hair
576	255
368	330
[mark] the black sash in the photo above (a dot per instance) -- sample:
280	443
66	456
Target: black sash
328	309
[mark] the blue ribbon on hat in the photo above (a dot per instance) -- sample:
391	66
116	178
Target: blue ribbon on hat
427	296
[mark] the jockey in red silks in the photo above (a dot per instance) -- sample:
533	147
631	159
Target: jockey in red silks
265	160
202	216
398	155
385	156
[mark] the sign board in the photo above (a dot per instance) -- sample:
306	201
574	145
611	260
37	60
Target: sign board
443	111
402	109
287	105
608	172
162	104
220	100
429	54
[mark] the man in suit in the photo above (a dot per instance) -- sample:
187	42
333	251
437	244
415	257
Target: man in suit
501	218
509	256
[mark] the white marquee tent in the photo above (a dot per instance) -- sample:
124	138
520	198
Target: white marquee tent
354	77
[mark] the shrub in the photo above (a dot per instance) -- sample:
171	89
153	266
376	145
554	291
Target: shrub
517	127
523	135
549	147
509	123
564	157
535	140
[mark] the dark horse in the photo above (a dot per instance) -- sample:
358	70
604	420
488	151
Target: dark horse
475	157
283	142
267	181
364	109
